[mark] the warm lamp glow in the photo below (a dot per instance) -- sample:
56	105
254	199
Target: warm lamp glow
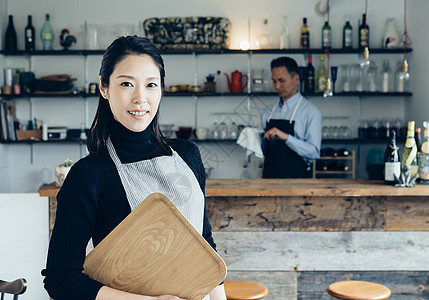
244	45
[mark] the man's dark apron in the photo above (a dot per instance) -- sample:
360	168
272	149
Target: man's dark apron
281	161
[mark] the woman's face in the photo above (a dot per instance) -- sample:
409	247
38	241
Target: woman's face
134	91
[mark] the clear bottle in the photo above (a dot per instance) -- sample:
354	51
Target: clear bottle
285	36
424	156
305	35
29	36
264	40
402	77
10	44
47	34
347	34
326	34
321	75
392	164
386	78
409	157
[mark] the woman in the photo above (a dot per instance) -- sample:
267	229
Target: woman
129	159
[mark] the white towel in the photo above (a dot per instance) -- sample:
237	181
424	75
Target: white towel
250	140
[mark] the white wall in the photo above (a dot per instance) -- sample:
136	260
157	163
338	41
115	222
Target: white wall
24	231
180	69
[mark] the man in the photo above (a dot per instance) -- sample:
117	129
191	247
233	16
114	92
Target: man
291	129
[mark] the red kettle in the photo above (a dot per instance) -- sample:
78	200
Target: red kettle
236	85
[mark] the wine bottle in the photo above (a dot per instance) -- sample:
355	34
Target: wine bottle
363	33
409	157
347	34
343	152
418	138
326	34
47	34
321	75
392	164
305	35
424	156
10	44
29	36
309	86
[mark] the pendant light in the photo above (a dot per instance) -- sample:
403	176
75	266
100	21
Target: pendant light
328	89
406	40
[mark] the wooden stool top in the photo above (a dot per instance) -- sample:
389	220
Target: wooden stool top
363	290
244	290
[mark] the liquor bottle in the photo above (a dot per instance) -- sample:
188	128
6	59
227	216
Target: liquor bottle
264	40
418	138
363	33
10	44
285	36
29	36
47	34
305	35
343	152
326	34
424	156
321	75
347	34
392	164
409	157
309	86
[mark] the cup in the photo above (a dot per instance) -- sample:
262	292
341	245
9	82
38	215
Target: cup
201	133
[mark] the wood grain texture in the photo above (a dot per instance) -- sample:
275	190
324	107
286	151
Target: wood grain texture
156	251
403	285
281	285
297	213
324	251
308	187
294	187
407	213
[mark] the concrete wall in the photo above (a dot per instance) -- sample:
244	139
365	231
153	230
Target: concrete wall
225	160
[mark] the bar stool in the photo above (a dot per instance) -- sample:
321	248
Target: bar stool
16	287
362	290
244	290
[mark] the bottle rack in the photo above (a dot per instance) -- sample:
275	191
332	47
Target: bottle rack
349	160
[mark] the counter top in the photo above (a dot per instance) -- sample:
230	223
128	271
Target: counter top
293	187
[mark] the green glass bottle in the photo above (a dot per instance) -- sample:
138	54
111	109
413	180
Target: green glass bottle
326	34
347	34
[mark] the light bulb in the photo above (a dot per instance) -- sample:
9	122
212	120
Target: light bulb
244	45
365	58
328	91
404	75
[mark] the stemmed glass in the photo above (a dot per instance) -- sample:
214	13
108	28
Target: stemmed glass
334	71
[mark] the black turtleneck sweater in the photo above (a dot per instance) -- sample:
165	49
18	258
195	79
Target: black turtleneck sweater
92	202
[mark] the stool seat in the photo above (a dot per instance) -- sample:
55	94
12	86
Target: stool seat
362	290
244	290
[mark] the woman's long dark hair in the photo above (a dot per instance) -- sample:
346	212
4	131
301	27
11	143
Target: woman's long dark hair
116	52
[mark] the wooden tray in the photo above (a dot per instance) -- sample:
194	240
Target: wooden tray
156	251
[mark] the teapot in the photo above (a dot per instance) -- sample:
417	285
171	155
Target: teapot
235	85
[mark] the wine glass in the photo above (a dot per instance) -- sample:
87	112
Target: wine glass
334	71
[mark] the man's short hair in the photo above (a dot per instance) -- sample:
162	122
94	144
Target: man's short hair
287	62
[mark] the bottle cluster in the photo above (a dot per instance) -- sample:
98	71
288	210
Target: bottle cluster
46	36
414	161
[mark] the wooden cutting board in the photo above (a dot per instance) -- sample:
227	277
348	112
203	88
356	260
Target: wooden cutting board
156	251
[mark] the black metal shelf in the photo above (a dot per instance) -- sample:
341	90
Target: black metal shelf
208	52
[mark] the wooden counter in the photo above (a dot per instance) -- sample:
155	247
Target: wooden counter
296	236
293	187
